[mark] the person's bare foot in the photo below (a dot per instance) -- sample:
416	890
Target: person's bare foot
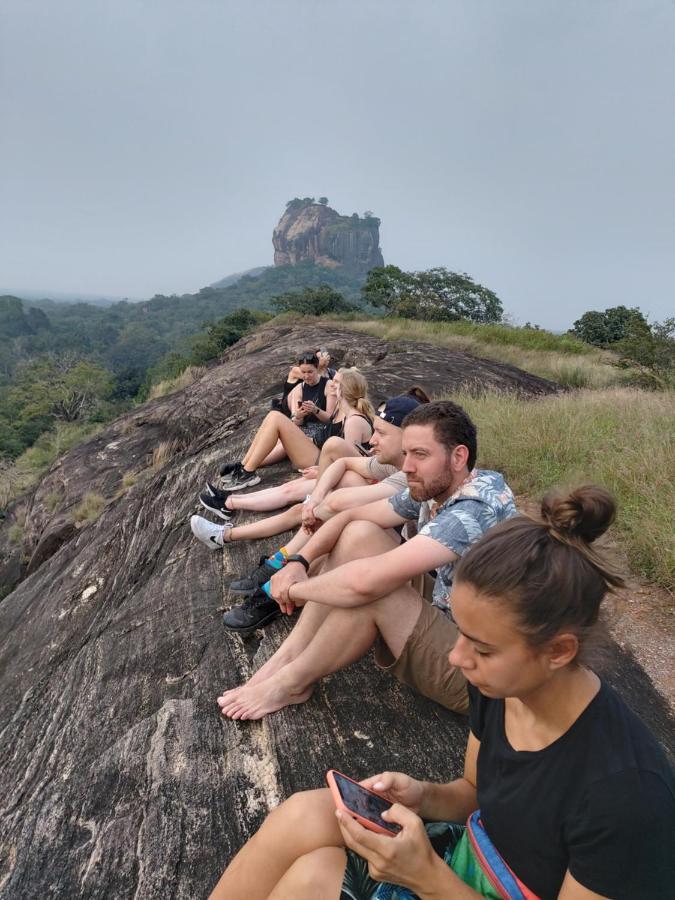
271	667
253	701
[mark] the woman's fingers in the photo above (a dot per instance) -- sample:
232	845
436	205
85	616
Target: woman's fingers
363	841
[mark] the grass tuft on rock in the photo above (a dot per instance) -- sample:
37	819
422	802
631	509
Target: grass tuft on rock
185	379
89	509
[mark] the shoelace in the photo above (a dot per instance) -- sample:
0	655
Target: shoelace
255	600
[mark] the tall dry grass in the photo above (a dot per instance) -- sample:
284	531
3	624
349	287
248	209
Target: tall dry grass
185	379
621	438
558	357
89	508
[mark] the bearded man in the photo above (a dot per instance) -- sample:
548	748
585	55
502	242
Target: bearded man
354	576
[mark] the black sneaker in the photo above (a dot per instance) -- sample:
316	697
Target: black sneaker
255	580
216	504
239	479
228	468
255	612
213	491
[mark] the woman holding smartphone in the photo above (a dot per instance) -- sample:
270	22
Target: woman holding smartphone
294	378
576	797
351	418
311	402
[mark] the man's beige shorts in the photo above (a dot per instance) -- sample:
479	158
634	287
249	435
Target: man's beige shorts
423	663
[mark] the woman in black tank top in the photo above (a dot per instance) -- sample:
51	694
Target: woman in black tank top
352	421
312	405
279	437
294	378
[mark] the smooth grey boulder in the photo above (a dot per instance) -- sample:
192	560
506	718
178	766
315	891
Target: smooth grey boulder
118	776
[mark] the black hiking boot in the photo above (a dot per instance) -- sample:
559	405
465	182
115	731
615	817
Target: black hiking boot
255	612
250	584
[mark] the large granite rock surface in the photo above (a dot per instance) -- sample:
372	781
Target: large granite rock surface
118	777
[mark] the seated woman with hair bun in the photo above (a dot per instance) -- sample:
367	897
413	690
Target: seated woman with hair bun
565	792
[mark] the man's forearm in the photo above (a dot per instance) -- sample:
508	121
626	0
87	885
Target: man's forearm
328	480
343	587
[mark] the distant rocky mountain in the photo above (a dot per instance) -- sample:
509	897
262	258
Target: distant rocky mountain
316	232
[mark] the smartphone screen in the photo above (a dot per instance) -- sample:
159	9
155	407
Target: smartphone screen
361	801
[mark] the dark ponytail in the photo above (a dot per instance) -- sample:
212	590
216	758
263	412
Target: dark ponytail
418	393
545	569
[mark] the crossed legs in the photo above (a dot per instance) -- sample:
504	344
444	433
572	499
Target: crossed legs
308	866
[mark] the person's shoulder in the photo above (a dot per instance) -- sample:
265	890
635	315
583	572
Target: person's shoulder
379	470
619	740
397	479
489	492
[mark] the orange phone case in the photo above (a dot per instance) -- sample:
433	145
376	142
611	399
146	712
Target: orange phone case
339	802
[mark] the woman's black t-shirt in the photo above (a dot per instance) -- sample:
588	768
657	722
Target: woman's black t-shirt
317	394
599	801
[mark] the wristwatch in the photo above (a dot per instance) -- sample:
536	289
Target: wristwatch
297	557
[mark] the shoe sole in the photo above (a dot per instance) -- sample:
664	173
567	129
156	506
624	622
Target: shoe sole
229	486
242	593
212	545
216	512
247	629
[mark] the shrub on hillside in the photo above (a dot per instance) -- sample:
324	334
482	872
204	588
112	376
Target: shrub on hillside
435	294
607	327
319	301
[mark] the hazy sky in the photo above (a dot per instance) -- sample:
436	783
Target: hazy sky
149	146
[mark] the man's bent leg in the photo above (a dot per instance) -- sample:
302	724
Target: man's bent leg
422	660
345	636
357	540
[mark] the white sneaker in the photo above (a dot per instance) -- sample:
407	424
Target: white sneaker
208	533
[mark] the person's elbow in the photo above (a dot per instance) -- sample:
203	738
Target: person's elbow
366	583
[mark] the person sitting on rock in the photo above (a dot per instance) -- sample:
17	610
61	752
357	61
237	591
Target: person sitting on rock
565	792
224	503
381	477
317	414
294	378
361	594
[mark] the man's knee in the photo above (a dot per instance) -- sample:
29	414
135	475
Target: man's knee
360	538
335	447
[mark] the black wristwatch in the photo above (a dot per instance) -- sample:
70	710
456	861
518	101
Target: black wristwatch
297	557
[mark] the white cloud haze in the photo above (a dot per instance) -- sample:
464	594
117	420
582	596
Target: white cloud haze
149	146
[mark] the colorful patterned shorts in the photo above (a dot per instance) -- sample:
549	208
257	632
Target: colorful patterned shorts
358	885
